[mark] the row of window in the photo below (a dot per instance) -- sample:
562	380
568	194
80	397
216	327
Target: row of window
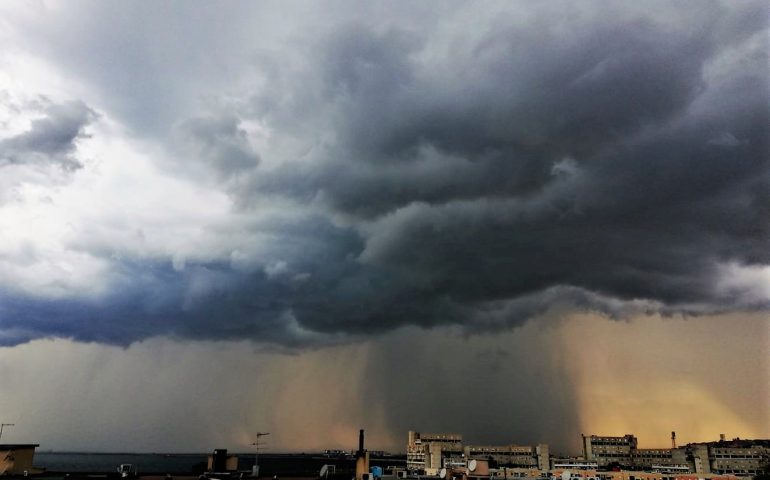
739	456
502	454
610	442
501	450
748	471
734	451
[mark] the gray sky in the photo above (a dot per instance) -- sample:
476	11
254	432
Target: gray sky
344	188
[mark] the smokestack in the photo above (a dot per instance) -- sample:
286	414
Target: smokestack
362	458
673	439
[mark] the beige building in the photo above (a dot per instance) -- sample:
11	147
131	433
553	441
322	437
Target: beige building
517	456
16	459
640	475
734	457
651	457
429	452
588	474
738	459
607	450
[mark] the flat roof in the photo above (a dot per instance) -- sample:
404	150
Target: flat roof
5	446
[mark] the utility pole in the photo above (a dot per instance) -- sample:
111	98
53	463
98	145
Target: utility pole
3	425
255	469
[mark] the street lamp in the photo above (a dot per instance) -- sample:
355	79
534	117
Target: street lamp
3	425
255	468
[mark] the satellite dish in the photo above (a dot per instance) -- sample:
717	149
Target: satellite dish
442	473
472	465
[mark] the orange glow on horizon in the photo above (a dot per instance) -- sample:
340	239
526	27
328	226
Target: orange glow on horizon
650	376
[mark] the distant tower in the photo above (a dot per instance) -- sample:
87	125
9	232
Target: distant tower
673	439
362	457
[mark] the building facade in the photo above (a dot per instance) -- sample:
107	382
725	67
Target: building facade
734	457
16	459
518	456
647	458
739	457
606	451
429	452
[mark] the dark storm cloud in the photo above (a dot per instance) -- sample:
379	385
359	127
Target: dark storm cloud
50	139
218	300
216	143
492	119
598	158
477	176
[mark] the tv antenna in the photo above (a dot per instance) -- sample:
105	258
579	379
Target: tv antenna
255	469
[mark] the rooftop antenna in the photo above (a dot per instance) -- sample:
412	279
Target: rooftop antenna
3	425
255	468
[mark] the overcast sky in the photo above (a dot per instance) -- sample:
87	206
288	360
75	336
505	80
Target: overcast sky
401	215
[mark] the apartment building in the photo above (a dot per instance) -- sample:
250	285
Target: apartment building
428	452
734	457
647	458
738	457
517	456
609	450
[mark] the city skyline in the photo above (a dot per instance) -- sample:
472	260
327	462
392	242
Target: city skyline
510	219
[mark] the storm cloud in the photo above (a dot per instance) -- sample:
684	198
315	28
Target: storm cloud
50	139
475	165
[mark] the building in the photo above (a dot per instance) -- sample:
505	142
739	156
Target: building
640	475
647	458
516	456
738	457
16	459
735	457
569	463
429	452
518	473
589	474
221	461
606	451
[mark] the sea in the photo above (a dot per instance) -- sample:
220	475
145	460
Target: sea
287	465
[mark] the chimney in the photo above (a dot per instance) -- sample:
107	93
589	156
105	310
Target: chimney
362	458
673	439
